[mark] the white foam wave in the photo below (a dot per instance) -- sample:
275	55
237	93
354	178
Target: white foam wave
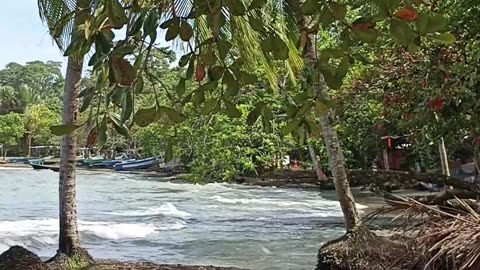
45	230
166	209
310	204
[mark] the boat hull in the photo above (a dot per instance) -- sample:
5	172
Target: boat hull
136	165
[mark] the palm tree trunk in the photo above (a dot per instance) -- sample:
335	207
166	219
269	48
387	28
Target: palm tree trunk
316	165
443	157
327	122
69	240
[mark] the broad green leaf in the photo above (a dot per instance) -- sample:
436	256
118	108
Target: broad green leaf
291	110
305	108
208	58
367	36
446	38
145	117
290	126
216	72
401	32
436	23
326	16
256	24
252	117
267	113
86	102
180	89
256	4
267	44
247	78
116	14
208	106
223	47
301	97
172	32
190	70
339	10
169	152
310	7
198	98
118	125
186	31
102	132
184	60
280	49
231	109
139	85
166	24
127	106
233	86
175	116
60	130
236	7
123	71
342	68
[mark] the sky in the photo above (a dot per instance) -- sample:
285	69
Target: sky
25	36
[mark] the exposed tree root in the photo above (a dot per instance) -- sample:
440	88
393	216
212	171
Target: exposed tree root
79	259
361	249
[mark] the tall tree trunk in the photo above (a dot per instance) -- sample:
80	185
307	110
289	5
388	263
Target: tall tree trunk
316	165
29	144
69	240
327	122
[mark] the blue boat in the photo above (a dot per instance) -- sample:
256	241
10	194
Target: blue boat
24	160
141	164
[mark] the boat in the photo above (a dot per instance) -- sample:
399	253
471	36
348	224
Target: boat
38	166
91	162
24	160
141	164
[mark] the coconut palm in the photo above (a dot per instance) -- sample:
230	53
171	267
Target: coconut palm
62	17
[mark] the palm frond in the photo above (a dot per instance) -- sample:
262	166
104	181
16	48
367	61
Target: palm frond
58	15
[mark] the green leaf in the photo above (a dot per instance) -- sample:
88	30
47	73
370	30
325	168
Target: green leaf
367	36
145	117
445	38
190	70
139	85
208	106
172	32
166	24
232	84
198	98
267	113
102	132
231	109
430	23
256	24
175	116
124	73
247	78
127	106
342	68
223	47
290	126
116	14
169	152
184	60
118	125
267	44
256	4
339	10
86	102
401	32
326	16
216	72
60	130
236	7
305	108
180	89
254	114
280	49
310	7
208	58
186	31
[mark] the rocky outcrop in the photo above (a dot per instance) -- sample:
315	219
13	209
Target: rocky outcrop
19	258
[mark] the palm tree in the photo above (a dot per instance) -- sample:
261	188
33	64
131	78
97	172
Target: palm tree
63	17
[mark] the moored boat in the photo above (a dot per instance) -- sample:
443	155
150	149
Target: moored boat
38	166
141	164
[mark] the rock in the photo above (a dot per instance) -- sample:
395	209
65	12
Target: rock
19	258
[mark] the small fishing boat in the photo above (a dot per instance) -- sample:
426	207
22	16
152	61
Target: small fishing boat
135	165
24	160
38	166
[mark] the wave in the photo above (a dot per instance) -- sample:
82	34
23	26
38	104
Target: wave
166	209
311	204
45	230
